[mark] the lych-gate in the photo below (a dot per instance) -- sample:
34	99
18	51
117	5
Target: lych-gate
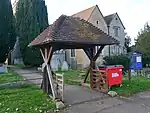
71	33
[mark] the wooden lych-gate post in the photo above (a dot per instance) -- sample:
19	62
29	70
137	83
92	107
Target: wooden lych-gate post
90	52
47	83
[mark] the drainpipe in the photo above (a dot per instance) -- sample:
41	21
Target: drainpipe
109	45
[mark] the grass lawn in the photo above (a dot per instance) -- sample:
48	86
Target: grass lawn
137	84
9	77
72	77
27	99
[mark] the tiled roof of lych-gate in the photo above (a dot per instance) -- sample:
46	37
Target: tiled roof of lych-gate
67	29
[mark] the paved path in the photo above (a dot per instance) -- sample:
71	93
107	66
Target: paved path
84	100
78	94
112	105
31	75
72	95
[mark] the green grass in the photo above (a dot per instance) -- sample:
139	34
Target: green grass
19	65
72	77
137	84
24	100
27	99
9	77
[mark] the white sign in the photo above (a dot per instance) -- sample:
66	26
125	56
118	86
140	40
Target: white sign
115	75
138	59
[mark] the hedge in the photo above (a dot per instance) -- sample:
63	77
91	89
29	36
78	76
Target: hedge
117	60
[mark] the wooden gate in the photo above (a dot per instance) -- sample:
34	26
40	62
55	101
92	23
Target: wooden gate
59	86
100	80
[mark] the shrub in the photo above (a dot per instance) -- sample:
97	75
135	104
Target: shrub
118	60
145	60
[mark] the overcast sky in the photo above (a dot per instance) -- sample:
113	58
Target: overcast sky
133	13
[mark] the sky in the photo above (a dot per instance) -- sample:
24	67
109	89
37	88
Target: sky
133	13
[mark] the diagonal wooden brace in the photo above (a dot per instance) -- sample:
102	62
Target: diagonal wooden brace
89	52
87	73
46	59
98	52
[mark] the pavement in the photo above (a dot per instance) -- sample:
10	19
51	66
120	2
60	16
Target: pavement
84	100
31	75
111	105
78	94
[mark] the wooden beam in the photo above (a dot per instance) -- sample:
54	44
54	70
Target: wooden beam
47	58
91	74
46	51
42	54
98	52
88	53
92	67
51	81
49	53
91	50
43	85
87	73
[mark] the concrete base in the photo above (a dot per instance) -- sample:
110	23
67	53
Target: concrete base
78	94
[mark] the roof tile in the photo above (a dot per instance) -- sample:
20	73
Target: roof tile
67	29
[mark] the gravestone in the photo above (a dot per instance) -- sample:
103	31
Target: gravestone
16	53
133	72
73	63
54	65
65	66
3	69
57	60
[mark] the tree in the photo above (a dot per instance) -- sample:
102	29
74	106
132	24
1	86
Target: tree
31	20
127	43
7	31
142	44
143	41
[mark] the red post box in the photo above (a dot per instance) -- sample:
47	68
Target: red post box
114	74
